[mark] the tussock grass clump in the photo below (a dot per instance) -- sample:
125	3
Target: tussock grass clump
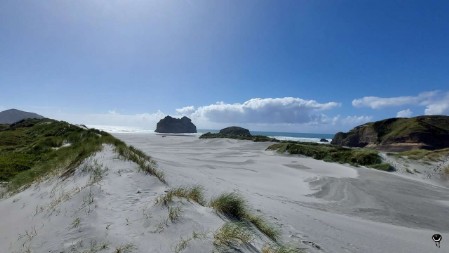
194	193
231	205
174	213
234	206
280	249
232	233
260	223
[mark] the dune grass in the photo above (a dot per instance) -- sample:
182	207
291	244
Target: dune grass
33	148
425	155
234	207
146	164
232	233
446	170
193	193
231	205
331	153
174	213
260	223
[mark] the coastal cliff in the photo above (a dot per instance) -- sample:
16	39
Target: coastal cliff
399	134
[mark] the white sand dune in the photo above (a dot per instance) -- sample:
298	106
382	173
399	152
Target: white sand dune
330	207
107	205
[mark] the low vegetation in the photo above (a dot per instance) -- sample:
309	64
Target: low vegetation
280	249
446	170
331	153
146	164
232	233
234	207
425	155
126	248
260	223
194	193
174	213
255	138
231	205
34	148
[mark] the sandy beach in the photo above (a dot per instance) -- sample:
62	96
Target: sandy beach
109	205
330	207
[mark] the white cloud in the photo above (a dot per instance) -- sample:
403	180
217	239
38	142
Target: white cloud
435	103
350	121
111	118
438	106
404	113
286	110
187	110
379	102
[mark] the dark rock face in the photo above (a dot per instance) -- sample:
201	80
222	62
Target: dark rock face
173	125
399	134
235	131
13	115
323	140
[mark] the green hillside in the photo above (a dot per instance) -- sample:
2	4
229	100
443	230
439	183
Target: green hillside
423	132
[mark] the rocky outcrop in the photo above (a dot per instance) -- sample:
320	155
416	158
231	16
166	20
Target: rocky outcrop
235	131
238	133
13	115
399	134
174	125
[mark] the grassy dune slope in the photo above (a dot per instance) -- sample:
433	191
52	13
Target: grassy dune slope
33	148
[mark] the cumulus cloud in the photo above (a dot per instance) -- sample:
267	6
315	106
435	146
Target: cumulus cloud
188	110
262	110
379	102
404	113
438	106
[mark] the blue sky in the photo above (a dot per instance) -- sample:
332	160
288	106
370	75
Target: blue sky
301	66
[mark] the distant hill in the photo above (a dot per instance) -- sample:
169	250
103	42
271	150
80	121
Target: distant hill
13	115
399	134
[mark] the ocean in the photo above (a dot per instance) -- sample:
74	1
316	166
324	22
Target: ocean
305	137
